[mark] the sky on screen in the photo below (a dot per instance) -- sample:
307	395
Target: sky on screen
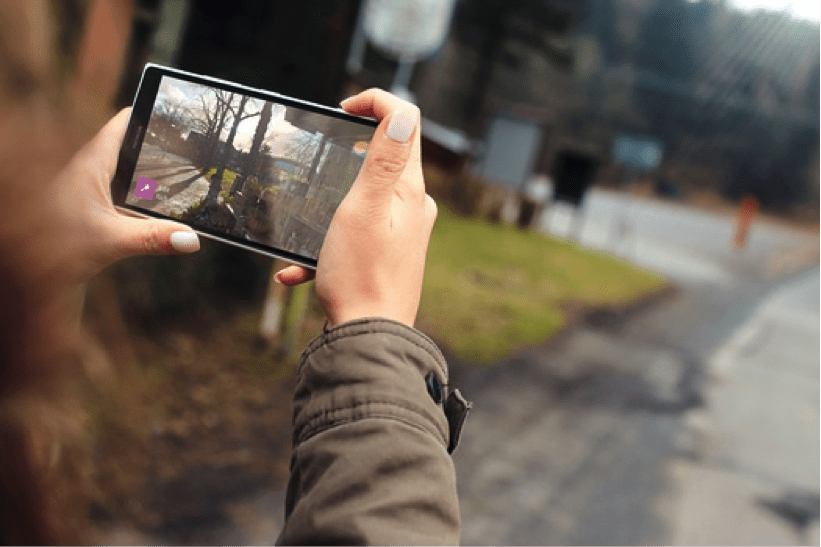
802	9
280	132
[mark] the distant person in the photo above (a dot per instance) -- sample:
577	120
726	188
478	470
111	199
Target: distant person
371	436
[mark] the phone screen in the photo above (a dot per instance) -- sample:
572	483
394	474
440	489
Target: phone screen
251	169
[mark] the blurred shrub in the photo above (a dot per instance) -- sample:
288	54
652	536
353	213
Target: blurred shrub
217	279
463	193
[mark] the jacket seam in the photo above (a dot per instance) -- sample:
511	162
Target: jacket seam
316	417
342	336
332	336
343	421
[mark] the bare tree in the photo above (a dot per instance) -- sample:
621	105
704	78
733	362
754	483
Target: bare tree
168	119
221	108
302	149
308	150
228	149
204	115
171	110
250	167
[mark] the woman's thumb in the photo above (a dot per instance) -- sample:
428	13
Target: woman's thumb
388	152
149	236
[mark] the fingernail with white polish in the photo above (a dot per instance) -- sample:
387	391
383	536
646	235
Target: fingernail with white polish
402	125
185	242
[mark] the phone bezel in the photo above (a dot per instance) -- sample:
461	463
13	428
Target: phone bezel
135	133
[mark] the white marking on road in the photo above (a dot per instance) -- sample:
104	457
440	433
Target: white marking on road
722	360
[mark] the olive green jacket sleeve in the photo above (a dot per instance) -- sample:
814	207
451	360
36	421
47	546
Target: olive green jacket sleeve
371	462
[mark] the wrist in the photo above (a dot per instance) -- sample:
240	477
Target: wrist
349	316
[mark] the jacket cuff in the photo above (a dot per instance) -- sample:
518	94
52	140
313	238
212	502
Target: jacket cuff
370	369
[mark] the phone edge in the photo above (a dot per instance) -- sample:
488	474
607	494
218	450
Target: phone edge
142	214
280	96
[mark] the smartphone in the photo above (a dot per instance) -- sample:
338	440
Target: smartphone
244	166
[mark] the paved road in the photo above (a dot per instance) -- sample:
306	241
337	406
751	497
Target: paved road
685	244
179	183
754	473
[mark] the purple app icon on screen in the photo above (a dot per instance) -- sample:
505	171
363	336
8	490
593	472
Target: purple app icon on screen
145	188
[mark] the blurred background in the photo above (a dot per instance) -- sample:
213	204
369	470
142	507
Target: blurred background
623	275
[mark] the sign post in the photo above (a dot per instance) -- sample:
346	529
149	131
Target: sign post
408	31
510	152
507	162
635	155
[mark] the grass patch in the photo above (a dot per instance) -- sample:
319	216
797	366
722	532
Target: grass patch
491	289
228	177
227	198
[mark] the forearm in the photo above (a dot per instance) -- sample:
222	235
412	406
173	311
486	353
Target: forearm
370	462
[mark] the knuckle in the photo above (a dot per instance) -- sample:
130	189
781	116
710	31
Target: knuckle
392	102
151	240
374	95
385	166
379	93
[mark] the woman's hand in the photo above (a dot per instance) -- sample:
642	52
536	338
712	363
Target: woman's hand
58	233
373	260
59	227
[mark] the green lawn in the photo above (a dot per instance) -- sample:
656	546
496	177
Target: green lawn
492	289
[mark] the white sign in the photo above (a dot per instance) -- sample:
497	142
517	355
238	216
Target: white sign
408	29
644	154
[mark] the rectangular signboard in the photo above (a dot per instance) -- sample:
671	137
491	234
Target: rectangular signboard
640	153
510	151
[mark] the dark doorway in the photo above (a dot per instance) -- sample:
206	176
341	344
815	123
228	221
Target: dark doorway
573	174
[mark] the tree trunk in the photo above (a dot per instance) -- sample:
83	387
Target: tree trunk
250	167
216	180
208	157
492	41
311	178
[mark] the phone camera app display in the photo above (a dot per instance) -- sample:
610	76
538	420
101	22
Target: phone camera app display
145	188
249	168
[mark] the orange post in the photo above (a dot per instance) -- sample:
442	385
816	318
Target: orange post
746	213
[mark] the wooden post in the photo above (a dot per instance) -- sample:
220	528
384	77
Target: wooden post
294	318
284	312
510	207
272	309
746	214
